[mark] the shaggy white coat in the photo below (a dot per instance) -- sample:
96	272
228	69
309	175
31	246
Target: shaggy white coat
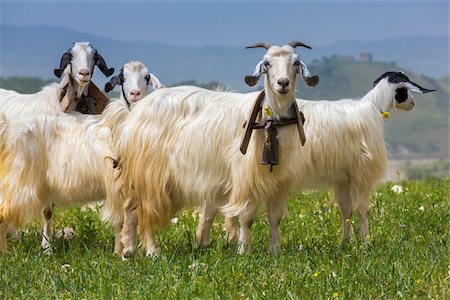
179	147
61	159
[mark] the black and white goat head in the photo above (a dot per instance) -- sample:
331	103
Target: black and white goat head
398	90
82	58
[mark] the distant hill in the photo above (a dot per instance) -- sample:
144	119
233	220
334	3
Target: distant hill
25	85
36	50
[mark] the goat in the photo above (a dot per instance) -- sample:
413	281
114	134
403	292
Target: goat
58	159
179	147
134	78
82	57
345	149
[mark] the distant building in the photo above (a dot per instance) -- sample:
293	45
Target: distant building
366	56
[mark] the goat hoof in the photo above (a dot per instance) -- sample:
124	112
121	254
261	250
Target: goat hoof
155	252
127	253
48	251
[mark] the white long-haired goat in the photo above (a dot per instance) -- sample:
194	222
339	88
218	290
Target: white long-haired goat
344	149
61	159
82	57
179	147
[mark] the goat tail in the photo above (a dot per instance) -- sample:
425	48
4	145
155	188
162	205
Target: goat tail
231	210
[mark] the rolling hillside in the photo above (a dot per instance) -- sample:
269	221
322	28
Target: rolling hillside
36	50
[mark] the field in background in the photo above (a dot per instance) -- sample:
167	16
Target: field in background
406	256
416	168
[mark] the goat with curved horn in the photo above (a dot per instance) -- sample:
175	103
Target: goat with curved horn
294	44
265	45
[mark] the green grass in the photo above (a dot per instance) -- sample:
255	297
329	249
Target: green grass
407	256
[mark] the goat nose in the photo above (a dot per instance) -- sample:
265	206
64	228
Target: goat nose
84	72
284	82
135	92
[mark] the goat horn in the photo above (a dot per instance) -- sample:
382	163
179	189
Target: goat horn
265	45
294	44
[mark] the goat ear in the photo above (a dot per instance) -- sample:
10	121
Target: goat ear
116	80
253	79
101	64
156	84
65	60
414	87
310	80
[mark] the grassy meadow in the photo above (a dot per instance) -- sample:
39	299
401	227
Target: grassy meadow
407	255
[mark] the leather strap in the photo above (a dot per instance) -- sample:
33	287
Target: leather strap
300	122
101	99
251	121
270	152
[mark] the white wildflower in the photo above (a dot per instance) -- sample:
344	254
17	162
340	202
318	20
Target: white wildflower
67	233
174	220
421	208
397	189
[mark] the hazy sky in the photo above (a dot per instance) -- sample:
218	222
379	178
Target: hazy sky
235	23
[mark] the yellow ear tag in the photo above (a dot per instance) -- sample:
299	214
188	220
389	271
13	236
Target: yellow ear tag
386	114
267	111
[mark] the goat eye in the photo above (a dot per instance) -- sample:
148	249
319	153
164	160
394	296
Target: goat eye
296	63
401	95
266	64
147	78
